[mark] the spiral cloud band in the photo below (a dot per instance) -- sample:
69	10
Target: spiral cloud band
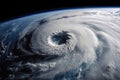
70	45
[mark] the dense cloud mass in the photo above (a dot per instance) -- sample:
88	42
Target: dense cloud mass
81	44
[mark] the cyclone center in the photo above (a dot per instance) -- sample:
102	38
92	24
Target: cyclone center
60	38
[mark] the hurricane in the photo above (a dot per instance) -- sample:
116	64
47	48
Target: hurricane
80	44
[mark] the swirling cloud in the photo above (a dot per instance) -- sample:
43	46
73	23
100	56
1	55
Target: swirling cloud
71	45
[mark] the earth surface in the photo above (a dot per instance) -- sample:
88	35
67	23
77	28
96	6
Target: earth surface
72	44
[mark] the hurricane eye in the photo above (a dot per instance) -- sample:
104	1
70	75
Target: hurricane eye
60	38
